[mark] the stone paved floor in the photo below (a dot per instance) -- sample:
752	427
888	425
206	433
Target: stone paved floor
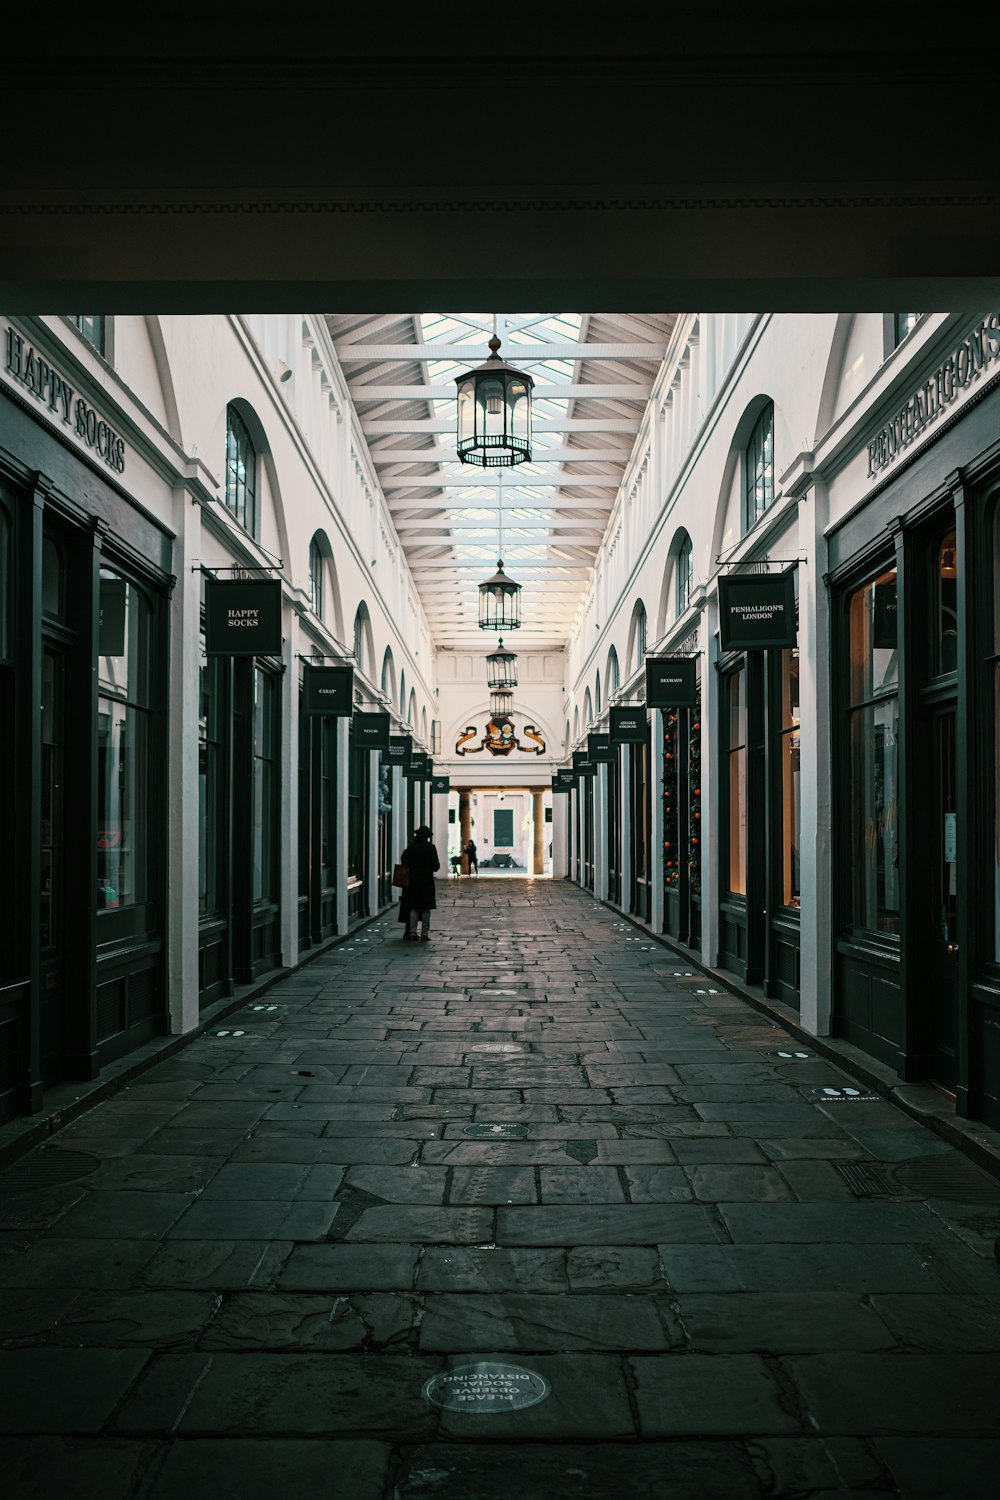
535	1142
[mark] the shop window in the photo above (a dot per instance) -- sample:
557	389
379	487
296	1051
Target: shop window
53	579
873	771
241	472
903	324
758	469
736	714
316	579
93	328
791	795
671	798
211	787
123	744
946	634
685	573
265	786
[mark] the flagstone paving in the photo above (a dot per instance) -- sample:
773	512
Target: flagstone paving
682	1261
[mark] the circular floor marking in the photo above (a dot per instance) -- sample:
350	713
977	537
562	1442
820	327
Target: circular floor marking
501	1131
485	1388
495	1047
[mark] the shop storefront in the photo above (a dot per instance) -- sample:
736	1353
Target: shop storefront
915	585
84	588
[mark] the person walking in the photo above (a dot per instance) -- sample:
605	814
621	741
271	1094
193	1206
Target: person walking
416	900
470	854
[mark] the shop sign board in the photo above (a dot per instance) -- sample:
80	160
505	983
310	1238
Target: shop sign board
629	725
671	682
582	764
399	750
328	691
440	785
243	617
756	611
418	767
562	781
600	749
370	731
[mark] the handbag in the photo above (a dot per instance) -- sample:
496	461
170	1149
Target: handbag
401	876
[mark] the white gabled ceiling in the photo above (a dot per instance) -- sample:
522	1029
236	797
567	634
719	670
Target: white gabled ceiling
593	373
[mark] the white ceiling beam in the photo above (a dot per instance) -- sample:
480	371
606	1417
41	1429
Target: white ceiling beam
549	424
599	481
436	391
382	453
519	355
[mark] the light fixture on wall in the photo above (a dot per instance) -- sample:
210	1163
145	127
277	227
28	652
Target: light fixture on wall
284	371
494	413
501	668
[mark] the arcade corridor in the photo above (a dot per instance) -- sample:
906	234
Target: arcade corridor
710	1261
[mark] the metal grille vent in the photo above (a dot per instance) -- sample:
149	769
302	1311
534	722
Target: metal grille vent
46	1168
864	1180
951	1176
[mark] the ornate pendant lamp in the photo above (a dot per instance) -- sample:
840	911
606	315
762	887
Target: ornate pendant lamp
501	704
500	596
501	668
494	413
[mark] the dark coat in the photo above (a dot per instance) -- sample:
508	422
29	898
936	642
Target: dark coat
421	859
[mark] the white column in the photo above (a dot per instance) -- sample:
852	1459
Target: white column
816	847
625	824
343	732
288	873
561	809
601	833
183	814
439	826
398	820
655	853
372	835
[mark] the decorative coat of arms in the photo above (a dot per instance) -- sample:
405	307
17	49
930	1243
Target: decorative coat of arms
500	739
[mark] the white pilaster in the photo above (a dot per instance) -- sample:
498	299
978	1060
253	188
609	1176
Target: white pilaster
288	853
711	831
183	813
343	732
625	824
816	850
655	854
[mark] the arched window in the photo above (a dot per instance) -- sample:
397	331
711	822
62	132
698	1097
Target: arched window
402	692
612	676
316	578
411	711
423	725
576	723
241	472
389	675
637	638
588	709
685	573
364	645
758	468
597	694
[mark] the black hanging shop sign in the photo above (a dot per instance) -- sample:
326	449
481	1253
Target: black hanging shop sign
884	605
418	767
328	691
440	784
629	726
671	682
243	617
399	750
370	731
563	781
756	611
582	764
600	749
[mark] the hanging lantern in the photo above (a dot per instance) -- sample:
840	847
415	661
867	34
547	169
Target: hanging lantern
501	704
494	414
500	602
501	667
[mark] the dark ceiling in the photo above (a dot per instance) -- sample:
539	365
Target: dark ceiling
757	156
